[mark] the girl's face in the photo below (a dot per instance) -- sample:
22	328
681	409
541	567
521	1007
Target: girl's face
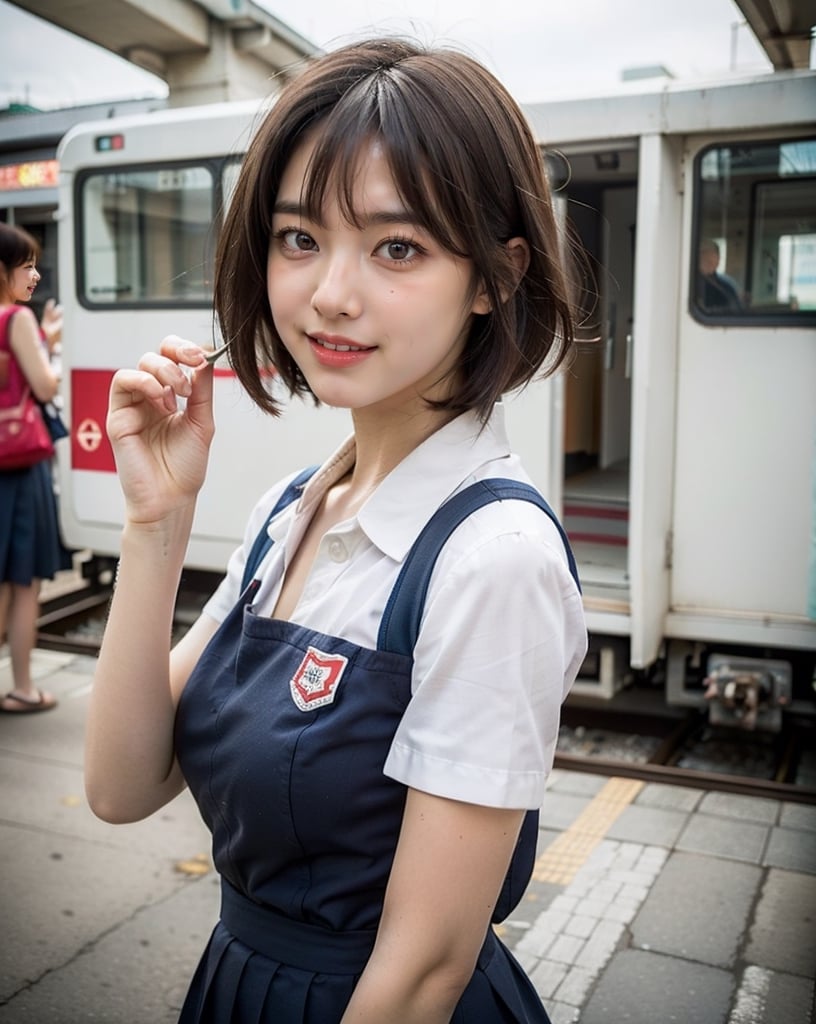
22	281
373	315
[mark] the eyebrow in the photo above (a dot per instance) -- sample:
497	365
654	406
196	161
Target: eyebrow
397	216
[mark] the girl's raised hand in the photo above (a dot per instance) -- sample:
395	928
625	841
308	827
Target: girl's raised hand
161	445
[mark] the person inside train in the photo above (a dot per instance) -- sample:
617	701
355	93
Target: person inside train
30	546
366	711
716	292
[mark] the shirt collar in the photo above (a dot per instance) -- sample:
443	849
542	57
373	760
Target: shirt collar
430	474
299	513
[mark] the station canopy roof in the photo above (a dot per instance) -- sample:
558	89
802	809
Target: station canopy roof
784	29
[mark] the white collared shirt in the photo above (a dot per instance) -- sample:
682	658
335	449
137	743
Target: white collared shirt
502	634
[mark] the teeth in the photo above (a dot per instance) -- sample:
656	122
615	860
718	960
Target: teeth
336	348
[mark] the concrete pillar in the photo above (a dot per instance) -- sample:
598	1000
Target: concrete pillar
228	70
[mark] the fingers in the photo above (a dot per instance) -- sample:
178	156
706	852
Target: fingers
177	371
182	352
192	363
133	388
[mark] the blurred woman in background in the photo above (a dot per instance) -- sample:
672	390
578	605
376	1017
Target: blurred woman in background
30	548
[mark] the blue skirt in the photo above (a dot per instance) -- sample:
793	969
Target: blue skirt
30	544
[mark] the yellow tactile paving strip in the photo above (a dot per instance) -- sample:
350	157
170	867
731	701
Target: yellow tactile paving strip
568	851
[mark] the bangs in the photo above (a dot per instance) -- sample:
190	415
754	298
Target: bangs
373	111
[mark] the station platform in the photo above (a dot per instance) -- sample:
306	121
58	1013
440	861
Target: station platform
650	903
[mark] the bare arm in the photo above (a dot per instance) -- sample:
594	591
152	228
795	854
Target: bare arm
448	871
24	341
161	456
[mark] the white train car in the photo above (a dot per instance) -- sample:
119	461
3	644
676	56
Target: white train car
679	448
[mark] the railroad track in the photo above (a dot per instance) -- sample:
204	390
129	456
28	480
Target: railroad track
691	732
658	743
73	621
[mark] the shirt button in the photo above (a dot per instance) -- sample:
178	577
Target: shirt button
337	550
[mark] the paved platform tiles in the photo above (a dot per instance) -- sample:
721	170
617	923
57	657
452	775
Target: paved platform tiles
658	903
649	903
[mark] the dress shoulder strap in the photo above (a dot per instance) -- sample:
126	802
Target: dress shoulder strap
399	626
12	381
263	542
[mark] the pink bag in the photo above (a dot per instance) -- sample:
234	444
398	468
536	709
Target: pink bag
24	437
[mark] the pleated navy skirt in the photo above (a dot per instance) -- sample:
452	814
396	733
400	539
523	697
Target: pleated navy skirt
30	544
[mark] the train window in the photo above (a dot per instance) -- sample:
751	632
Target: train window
755	233
229	179
146	236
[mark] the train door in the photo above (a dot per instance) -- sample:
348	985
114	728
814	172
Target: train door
601	191
625	206
746	415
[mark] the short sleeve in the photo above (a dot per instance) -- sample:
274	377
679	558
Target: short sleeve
501	641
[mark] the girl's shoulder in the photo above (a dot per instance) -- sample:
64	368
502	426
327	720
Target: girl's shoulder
9	310
523	519
506	541
6	313
19	321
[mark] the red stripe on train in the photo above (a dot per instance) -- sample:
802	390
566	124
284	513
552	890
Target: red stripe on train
596	511
90	447
577	536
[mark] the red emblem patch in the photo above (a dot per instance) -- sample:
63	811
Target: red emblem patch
316	680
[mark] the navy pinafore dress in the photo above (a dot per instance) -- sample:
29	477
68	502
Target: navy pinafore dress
282	733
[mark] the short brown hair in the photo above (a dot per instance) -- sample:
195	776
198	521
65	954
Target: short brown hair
17	246
467	167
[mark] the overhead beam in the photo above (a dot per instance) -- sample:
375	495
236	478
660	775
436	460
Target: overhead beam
163	27
206	50
783	28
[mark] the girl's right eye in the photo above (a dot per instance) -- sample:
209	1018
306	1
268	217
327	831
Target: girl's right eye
296	240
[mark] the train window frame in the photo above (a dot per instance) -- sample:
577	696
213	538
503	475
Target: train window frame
773	316
213	166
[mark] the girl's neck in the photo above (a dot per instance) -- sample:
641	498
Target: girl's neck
382	445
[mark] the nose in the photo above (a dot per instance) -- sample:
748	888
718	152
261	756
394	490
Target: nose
37	275
337	291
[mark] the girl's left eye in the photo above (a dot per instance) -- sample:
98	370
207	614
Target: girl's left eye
398	250
296	239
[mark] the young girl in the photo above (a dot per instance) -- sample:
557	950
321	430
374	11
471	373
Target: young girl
364	746
30	548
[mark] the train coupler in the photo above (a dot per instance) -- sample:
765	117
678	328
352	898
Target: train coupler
748	693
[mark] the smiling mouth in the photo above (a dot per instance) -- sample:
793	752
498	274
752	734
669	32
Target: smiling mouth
339	347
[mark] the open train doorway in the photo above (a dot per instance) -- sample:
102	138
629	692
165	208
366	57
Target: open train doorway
600	188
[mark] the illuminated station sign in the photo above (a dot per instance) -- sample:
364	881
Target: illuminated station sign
34	174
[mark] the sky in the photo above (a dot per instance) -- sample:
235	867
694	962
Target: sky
538	48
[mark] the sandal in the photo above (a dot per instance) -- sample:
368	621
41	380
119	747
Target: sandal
26	705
